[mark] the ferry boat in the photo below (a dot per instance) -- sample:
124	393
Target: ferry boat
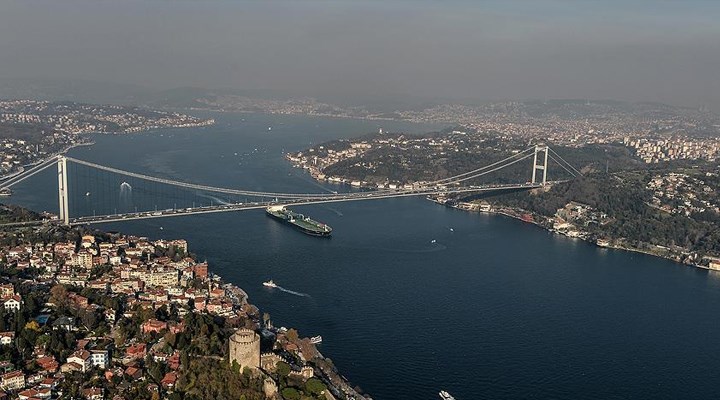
316	339
445	395
270	283
299	221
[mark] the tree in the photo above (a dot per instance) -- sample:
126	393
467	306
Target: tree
315	386
90	319
290	394
58	295
282	368
33	325
266	318
292	335
42	340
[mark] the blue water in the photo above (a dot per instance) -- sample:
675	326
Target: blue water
493	309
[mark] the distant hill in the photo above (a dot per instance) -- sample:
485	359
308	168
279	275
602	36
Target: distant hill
73	90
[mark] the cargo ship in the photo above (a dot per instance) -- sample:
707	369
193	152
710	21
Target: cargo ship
299	221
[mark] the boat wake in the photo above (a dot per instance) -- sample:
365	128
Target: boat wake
282	289
336	211
218	200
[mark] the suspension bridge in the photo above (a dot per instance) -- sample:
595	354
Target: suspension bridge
239	199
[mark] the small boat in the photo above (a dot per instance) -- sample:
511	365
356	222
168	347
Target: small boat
316	339
445	395
433	241
270	283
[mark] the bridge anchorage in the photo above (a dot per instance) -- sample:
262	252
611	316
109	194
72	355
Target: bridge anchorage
110	176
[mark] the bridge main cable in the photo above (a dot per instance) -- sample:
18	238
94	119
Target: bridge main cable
27	174
455	178
203	187
451	180
490	171
565	161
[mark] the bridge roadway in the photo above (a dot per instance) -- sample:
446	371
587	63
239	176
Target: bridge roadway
335	198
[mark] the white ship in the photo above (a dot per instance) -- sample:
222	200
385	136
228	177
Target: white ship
270	283
316	339
445	395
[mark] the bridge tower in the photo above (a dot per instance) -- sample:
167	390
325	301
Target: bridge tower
63	190
540	149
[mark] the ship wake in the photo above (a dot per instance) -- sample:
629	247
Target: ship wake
282	289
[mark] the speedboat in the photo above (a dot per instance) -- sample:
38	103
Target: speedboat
445	395
270	283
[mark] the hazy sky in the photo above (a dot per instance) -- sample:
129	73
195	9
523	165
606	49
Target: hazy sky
633	50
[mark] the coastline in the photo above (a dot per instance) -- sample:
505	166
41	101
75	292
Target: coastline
448	122
89	142
337	383
527	217
518	214
44	159
174	276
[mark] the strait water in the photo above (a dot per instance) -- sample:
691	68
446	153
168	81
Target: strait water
493	309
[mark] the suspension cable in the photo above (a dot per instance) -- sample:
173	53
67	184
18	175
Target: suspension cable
440	181
492	170
27	174
563	167
565	161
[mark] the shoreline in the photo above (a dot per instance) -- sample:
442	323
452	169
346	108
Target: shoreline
89	142
300	114
45	159
507	212
175	276
504	213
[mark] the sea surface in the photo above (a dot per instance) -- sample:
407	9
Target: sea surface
411	297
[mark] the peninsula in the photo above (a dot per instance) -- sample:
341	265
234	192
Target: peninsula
655	191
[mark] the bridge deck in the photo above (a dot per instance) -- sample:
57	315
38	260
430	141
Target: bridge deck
261	205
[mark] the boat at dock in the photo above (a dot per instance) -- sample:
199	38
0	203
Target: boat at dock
316	339
299	221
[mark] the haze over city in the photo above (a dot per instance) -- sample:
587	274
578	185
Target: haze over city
359	200
666	51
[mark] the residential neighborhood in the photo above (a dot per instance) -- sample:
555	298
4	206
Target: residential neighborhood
86	314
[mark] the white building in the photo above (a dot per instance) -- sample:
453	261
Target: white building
6	338
82	358
13	303
100	358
